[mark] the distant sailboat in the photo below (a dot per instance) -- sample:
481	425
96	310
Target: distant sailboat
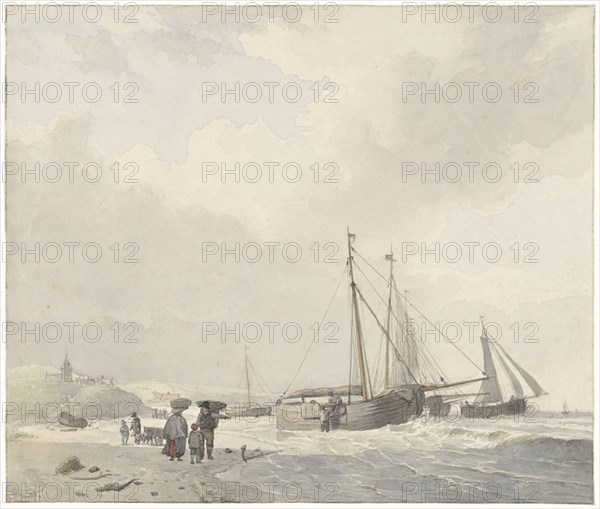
249	408
565	410
491	402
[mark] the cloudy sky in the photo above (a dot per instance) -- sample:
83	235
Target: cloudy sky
350	112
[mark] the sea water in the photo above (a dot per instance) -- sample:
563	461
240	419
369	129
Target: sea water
513	459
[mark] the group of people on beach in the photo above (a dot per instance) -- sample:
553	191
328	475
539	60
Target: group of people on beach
201	436
202	433
135	428
160	413
329	411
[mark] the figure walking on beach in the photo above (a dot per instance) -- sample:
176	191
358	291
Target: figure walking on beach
175	432
124	433
194	441
207	422
136	427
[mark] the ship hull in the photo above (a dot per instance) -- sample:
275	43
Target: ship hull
66	419
391	408
252	411
515	407
437	407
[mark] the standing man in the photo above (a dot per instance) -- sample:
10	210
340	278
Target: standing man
207	422
136	427
420	400
324	418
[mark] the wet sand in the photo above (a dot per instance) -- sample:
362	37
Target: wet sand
31	474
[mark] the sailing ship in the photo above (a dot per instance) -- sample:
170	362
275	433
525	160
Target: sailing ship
249	408
418	369
492	401
565	409
363	407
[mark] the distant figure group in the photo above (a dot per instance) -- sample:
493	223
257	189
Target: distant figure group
161	413
330	411
135	428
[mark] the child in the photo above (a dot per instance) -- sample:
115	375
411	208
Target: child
194	441
124	433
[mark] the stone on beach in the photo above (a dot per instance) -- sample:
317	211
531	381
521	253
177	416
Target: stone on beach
68	465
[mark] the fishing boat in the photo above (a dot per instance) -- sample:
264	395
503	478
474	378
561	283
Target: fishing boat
249	408
414	367
493	400
565	409
66	419
356	407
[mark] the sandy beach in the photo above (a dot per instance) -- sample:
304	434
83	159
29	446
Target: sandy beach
31	473
31	476
505	461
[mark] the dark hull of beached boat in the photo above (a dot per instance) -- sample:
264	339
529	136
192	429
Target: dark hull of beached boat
66	419
514	407
390	408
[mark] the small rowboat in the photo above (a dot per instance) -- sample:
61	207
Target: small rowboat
66	419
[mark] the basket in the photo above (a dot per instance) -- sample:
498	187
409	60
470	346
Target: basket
180	404
213	406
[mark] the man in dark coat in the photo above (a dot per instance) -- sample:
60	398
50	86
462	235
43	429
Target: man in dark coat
207	422
136	427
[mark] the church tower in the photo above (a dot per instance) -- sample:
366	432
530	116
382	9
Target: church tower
66	373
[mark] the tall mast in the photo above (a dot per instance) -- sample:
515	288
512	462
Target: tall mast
247	373
386	380
366	392
412	357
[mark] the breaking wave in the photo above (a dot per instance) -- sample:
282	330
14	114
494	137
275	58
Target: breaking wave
548	460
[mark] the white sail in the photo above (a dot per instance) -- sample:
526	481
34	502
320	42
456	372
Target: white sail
489	392
514	381
533	385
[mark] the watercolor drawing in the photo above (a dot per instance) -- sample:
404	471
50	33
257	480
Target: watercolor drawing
317	253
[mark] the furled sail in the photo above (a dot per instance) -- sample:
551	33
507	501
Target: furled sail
489	392
354	390
534	386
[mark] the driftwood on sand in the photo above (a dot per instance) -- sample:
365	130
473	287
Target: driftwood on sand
115	486
250	455
256	453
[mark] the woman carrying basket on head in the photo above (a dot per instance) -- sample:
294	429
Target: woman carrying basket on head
175	431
